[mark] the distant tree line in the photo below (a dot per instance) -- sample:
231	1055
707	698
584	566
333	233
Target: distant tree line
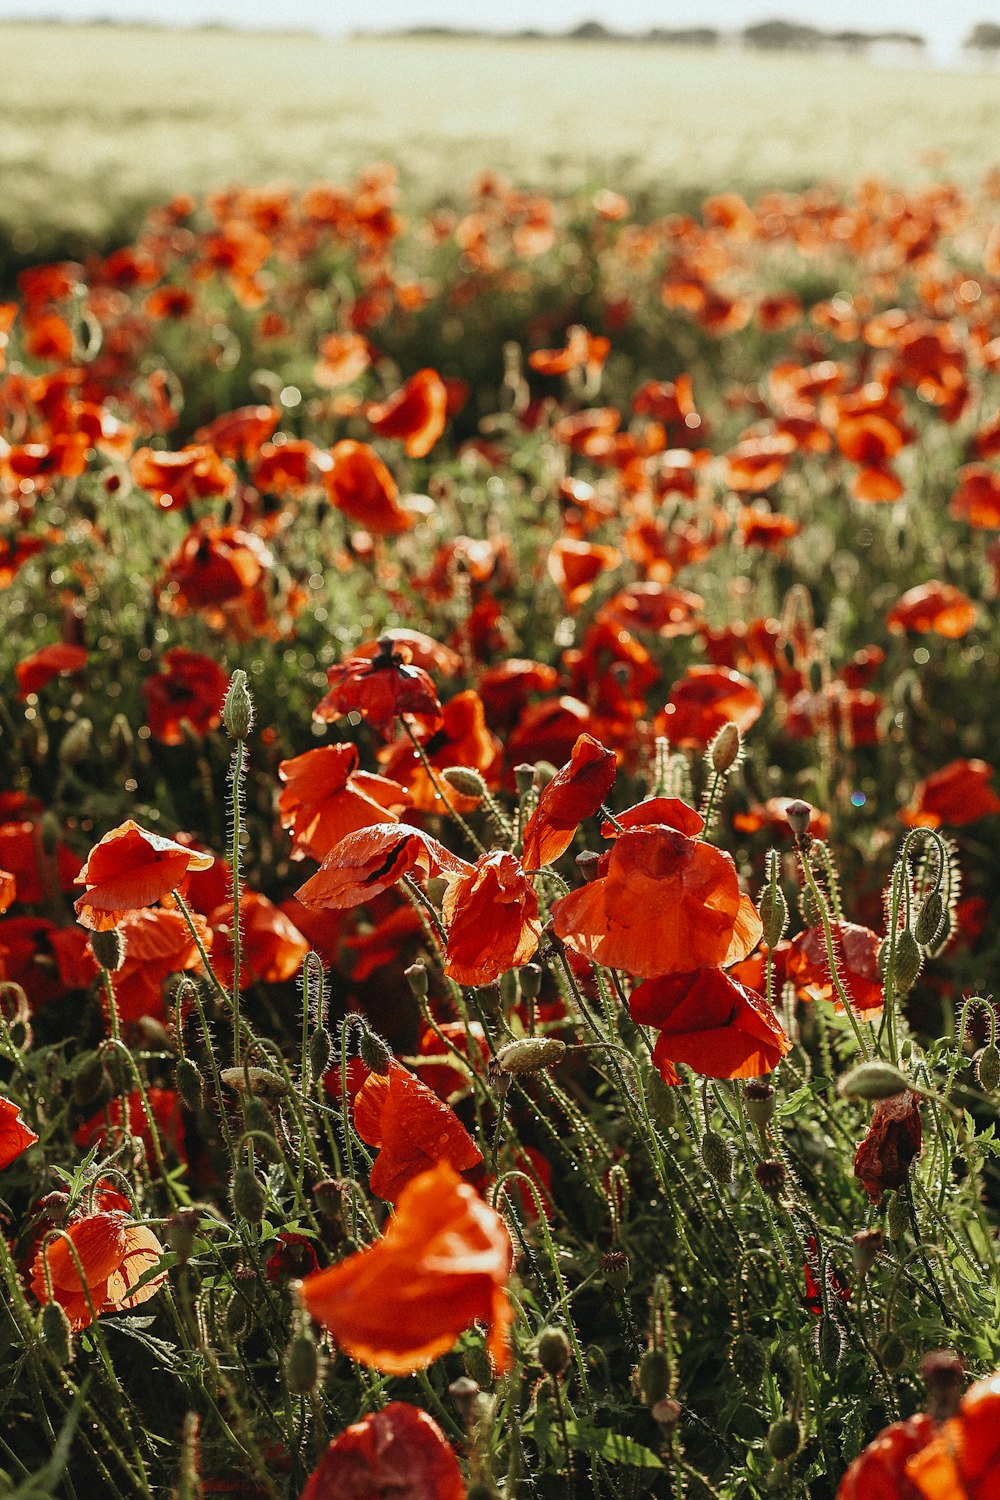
775	35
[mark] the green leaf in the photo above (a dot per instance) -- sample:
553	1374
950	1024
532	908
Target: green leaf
613	1447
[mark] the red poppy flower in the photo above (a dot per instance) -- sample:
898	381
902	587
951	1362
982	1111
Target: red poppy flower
462	739
492	919
548	731
412	1128
8	889
656	865
977	499
957	794
399	1450
417	413
359	484
937	607
575	566
343	358
104	1128
506	688
652	606
710	1021
158	943
293	1256
175	479
15	1135
857	963
114	1254
215	565
188	690
272	948
441	1266
880	1471
416	649
442	1071
15	549
381	687
893	1140
703	700
51	661
240	433
962	1460
581	349
286	468
21	855
383	944
763	528
130	868
758	462
370	861
326	797
574	793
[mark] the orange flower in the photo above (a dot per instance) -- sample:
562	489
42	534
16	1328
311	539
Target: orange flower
370	861
878	1473
962	1461
215	565
413	1129
272	946
656	865
462	740
399	1450
380	687
189	689
957	794
417	413
710	1021
977	499
326	797
575	566
240	433
441	1266
703	700
492	919
175	479
158	943
857	963
359	484
51	661
343	357
581	348
933	606
15	1135
130	868
113	1254
893	1140
574	793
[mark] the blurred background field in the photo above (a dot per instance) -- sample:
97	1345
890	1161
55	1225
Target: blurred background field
98	121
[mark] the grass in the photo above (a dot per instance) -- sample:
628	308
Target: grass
95	121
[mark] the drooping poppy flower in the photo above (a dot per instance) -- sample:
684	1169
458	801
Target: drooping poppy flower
857	964
656	864
114	1254
51	661
962	1459
959	793
399	1450
175	479
883	1158
131	868
15	1135
359	484
492	919
934	606
574	793
417	413
703	700
370	861
710	1021
441	1266
326	797
188	690
412	1128
381	687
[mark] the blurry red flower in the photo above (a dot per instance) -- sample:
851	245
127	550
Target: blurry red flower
398	1451
293	1255
113	1253
962	1460
880	1470
575	566
957	794
175	479
104	1128
188	689
937	607
857	963
412	1128
51	661
240	433
272	948
359	484
158	943
417	413
703	700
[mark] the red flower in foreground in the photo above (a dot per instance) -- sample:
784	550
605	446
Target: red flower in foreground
113	1254
441	1266
15	1135
880	1470
381	687
574	793
368	862
893	1140
492	919
957	794
128	869
962	1461
717	1026
51	661
398	1451
412	1128
326	797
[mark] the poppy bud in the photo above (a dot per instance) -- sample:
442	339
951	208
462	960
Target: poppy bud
48	831
553	1350
717	1156
798	815
416	978
892	1350
329	1196
237	1319
320	1048
55	1334
662	1101
784	1439
944	1375
749	1360
465	1394
616	1270
261	1081
249	1198
654	1376
773	911
868	1245
466	782
897	1217
588	863
544	772
872	1080
988	1068
237	707
120	742
725	750
75	742
303	1364
770	1176
929	920
375	1054
529	979
490	999
257	1119
907	962
524	778
190	1082
829	1342
179	1233
55	1207
529	1054
477	1364
809	906
759	1099
666	1414
109	949
91	1081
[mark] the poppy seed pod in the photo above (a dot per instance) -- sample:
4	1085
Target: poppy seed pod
529	978
988	1068
237	707
553	1350
465	1393
416	978
798	815
179	1232
616	1270
524	778
467	782
868	1244
891	1350
770	1176
759	1099
528	1054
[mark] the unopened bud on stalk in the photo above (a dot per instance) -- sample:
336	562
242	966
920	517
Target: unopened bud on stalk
529	979
654	1376
249	1198
907	962
553	1349
237	707
180	1231
528	1054
717	1157
303	1363
375	1054
320	1049
759	1099
524	778
257	1120
829	1342
873	1080
108	948
55	1334
465	781
75	742
416	978
868	1245
329	1195
784	1439
749	1360
988	1068
666	1414
725	750
773	911
798	815
190	1082
929	919
466	1395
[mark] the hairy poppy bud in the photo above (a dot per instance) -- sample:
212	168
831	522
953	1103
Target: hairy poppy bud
988	1068
929	920
588	863
868	1244
891	1350
75	742
466	1395
375	1054
616	1269
553	1350
759	1100
190	1083
717	1156
320	1048
303	1364
897	1217
416	978
329	1195
91	1081
465	781
262	1081
524	778
529	978
784	1439
544	772
654	1376
55	1334
798	815
249	1198
179	1232
662	1101
873	1080
907	962
257	1119
749	1360
770	1177
237	707
725	750
529	1053
773	911
812	914
109	949
829	1342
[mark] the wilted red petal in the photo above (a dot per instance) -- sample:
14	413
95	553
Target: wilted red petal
492	919
711	1022
372	860
574	793
399	1450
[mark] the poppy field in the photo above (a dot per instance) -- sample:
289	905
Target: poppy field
498	853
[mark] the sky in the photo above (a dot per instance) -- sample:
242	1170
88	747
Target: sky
943	22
